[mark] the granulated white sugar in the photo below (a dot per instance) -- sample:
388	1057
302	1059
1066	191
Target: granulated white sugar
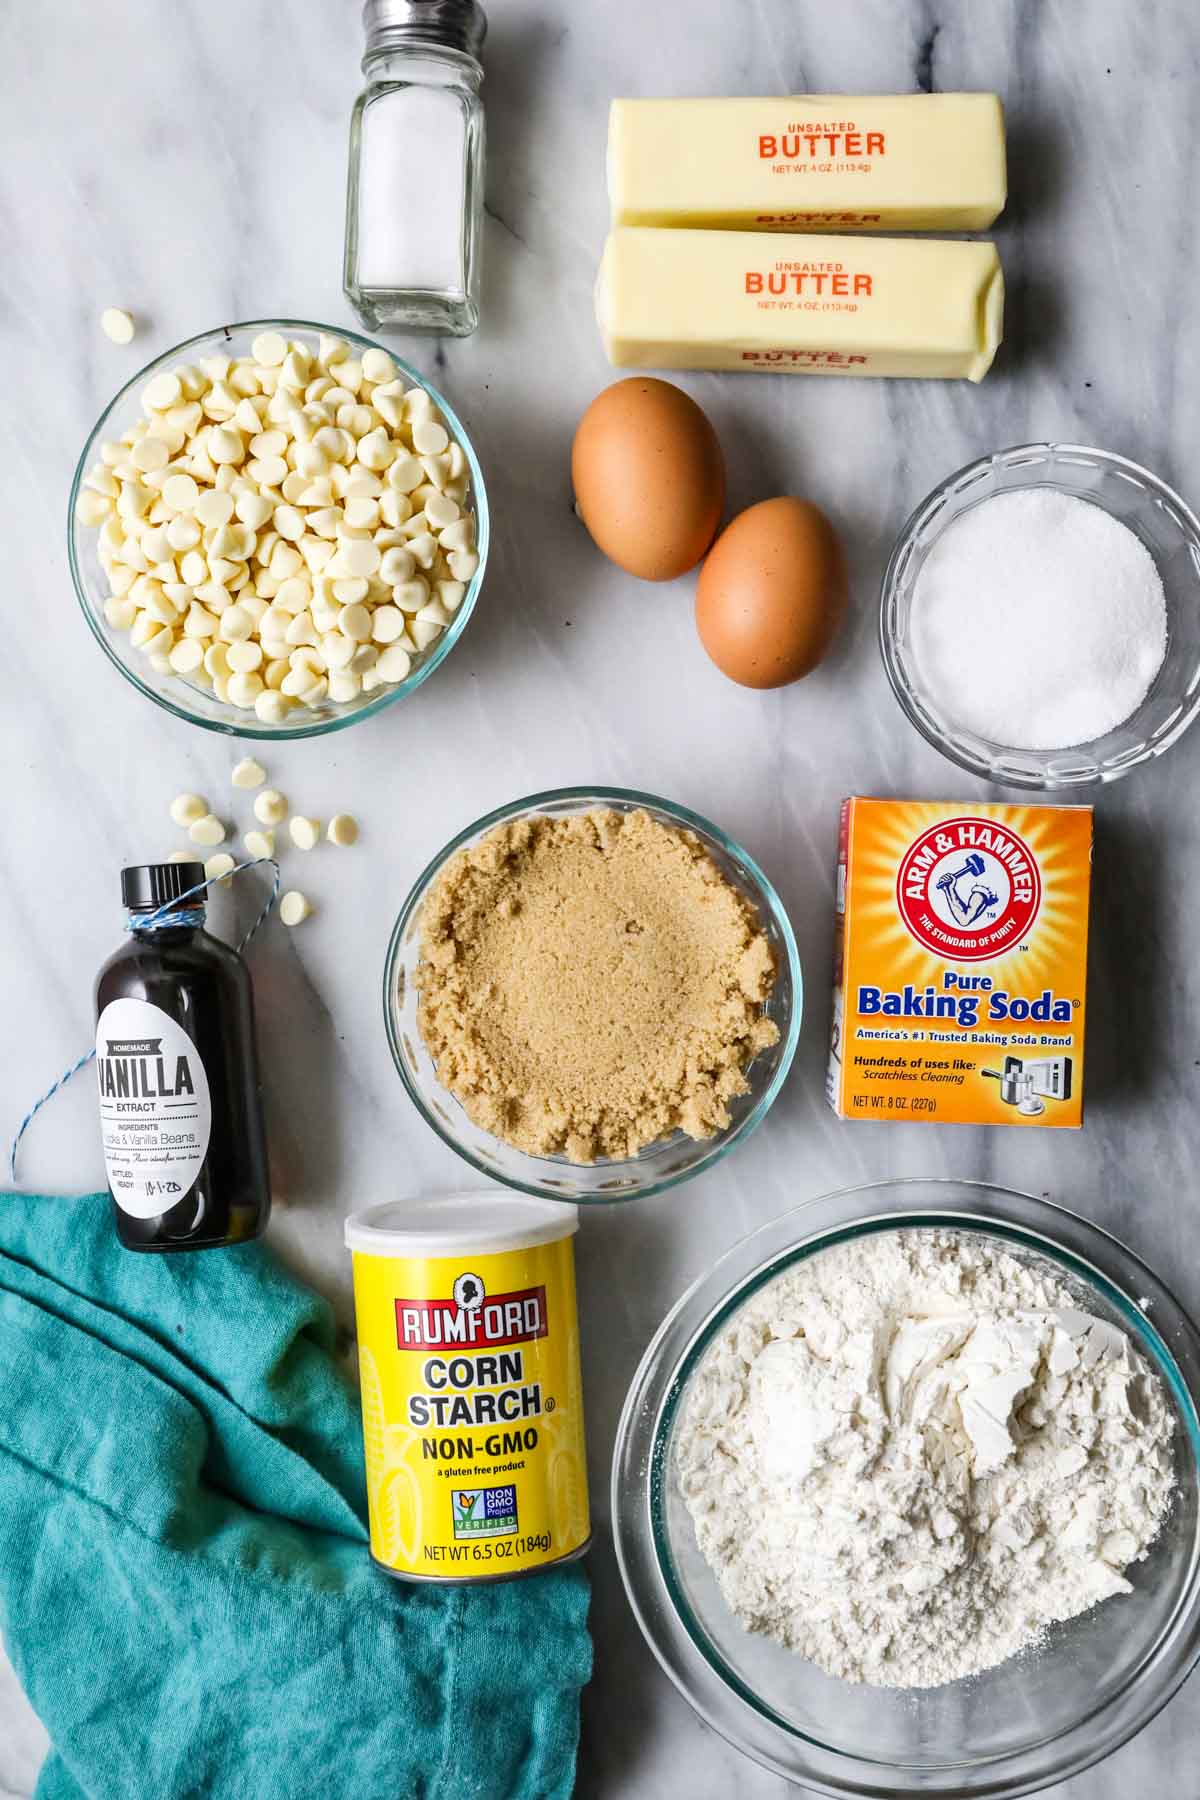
1038	621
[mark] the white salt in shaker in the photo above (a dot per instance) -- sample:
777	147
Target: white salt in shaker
415	200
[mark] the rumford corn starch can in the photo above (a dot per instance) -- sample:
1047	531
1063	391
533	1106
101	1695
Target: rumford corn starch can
472	1400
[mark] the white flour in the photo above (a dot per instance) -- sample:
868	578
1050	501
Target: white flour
909	1455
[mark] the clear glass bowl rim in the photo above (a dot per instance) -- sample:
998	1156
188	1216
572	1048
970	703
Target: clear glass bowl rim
640	1468
692	821
249	726
1093	772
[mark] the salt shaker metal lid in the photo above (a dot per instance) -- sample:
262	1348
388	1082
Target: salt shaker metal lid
449	24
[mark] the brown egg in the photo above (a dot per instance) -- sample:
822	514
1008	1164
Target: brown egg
771	593
649	477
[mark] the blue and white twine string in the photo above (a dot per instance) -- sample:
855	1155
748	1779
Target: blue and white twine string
172	913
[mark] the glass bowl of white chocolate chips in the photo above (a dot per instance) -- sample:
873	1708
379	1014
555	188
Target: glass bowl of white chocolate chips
905	1493
277	529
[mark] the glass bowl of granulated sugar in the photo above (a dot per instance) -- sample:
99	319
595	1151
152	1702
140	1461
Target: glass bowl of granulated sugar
1040	616
905	1493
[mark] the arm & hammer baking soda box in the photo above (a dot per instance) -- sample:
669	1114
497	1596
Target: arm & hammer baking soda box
960	962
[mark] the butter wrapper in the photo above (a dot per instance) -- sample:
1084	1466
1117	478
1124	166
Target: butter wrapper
809	162
799	305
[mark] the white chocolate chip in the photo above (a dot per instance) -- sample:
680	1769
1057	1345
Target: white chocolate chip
245	687
284	499
355	622
272	707
300	682
259	843
337	650
378	366
462	564
248	773
344	685
162	393
218	867
410	596
270	807
187	808
207	830
294	908
458	536
269	348
148	454
441	511
429	437
182	856
398	565
244	658
359	556
305	833
423	632
342	829
226	445
120	613
387	624
215	508
92	509
117	324
186	656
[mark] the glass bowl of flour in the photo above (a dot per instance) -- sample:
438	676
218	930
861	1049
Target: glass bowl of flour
1040	616
905	1493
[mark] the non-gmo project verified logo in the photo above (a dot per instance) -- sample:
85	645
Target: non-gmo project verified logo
484	1512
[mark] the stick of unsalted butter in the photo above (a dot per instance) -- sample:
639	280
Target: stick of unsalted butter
803	305
808	162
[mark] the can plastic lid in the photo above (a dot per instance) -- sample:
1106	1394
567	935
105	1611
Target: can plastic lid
485	1223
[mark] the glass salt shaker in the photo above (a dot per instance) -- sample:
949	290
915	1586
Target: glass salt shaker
415	198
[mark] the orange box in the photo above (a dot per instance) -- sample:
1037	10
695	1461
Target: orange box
960	966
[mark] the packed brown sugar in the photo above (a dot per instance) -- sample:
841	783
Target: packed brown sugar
591	984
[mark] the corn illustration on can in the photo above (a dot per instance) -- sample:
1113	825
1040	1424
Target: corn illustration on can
472	1400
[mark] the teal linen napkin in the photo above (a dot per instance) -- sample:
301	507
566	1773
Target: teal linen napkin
185	1589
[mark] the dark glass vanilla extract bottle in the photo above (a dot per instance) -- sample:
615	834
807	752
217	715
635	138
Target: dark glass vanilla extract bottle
177	1071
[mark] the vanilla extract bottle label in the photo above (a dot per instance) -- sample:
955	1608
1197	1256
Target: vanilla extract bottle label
155	1109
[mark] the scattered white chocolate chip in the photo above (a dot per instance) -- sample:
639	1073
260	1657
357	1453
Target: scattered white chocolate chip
218	867
117	324
342	829
259	843
183	856
294	908
305	833
294	497
187	808
248	773
207	830
270	807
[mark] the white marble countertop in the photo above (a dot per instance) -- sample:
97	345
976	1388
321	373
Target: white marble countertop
188	162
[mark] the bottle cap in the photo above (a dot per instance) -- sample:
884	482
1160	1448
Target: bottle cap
147	886
444	24
483	1223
